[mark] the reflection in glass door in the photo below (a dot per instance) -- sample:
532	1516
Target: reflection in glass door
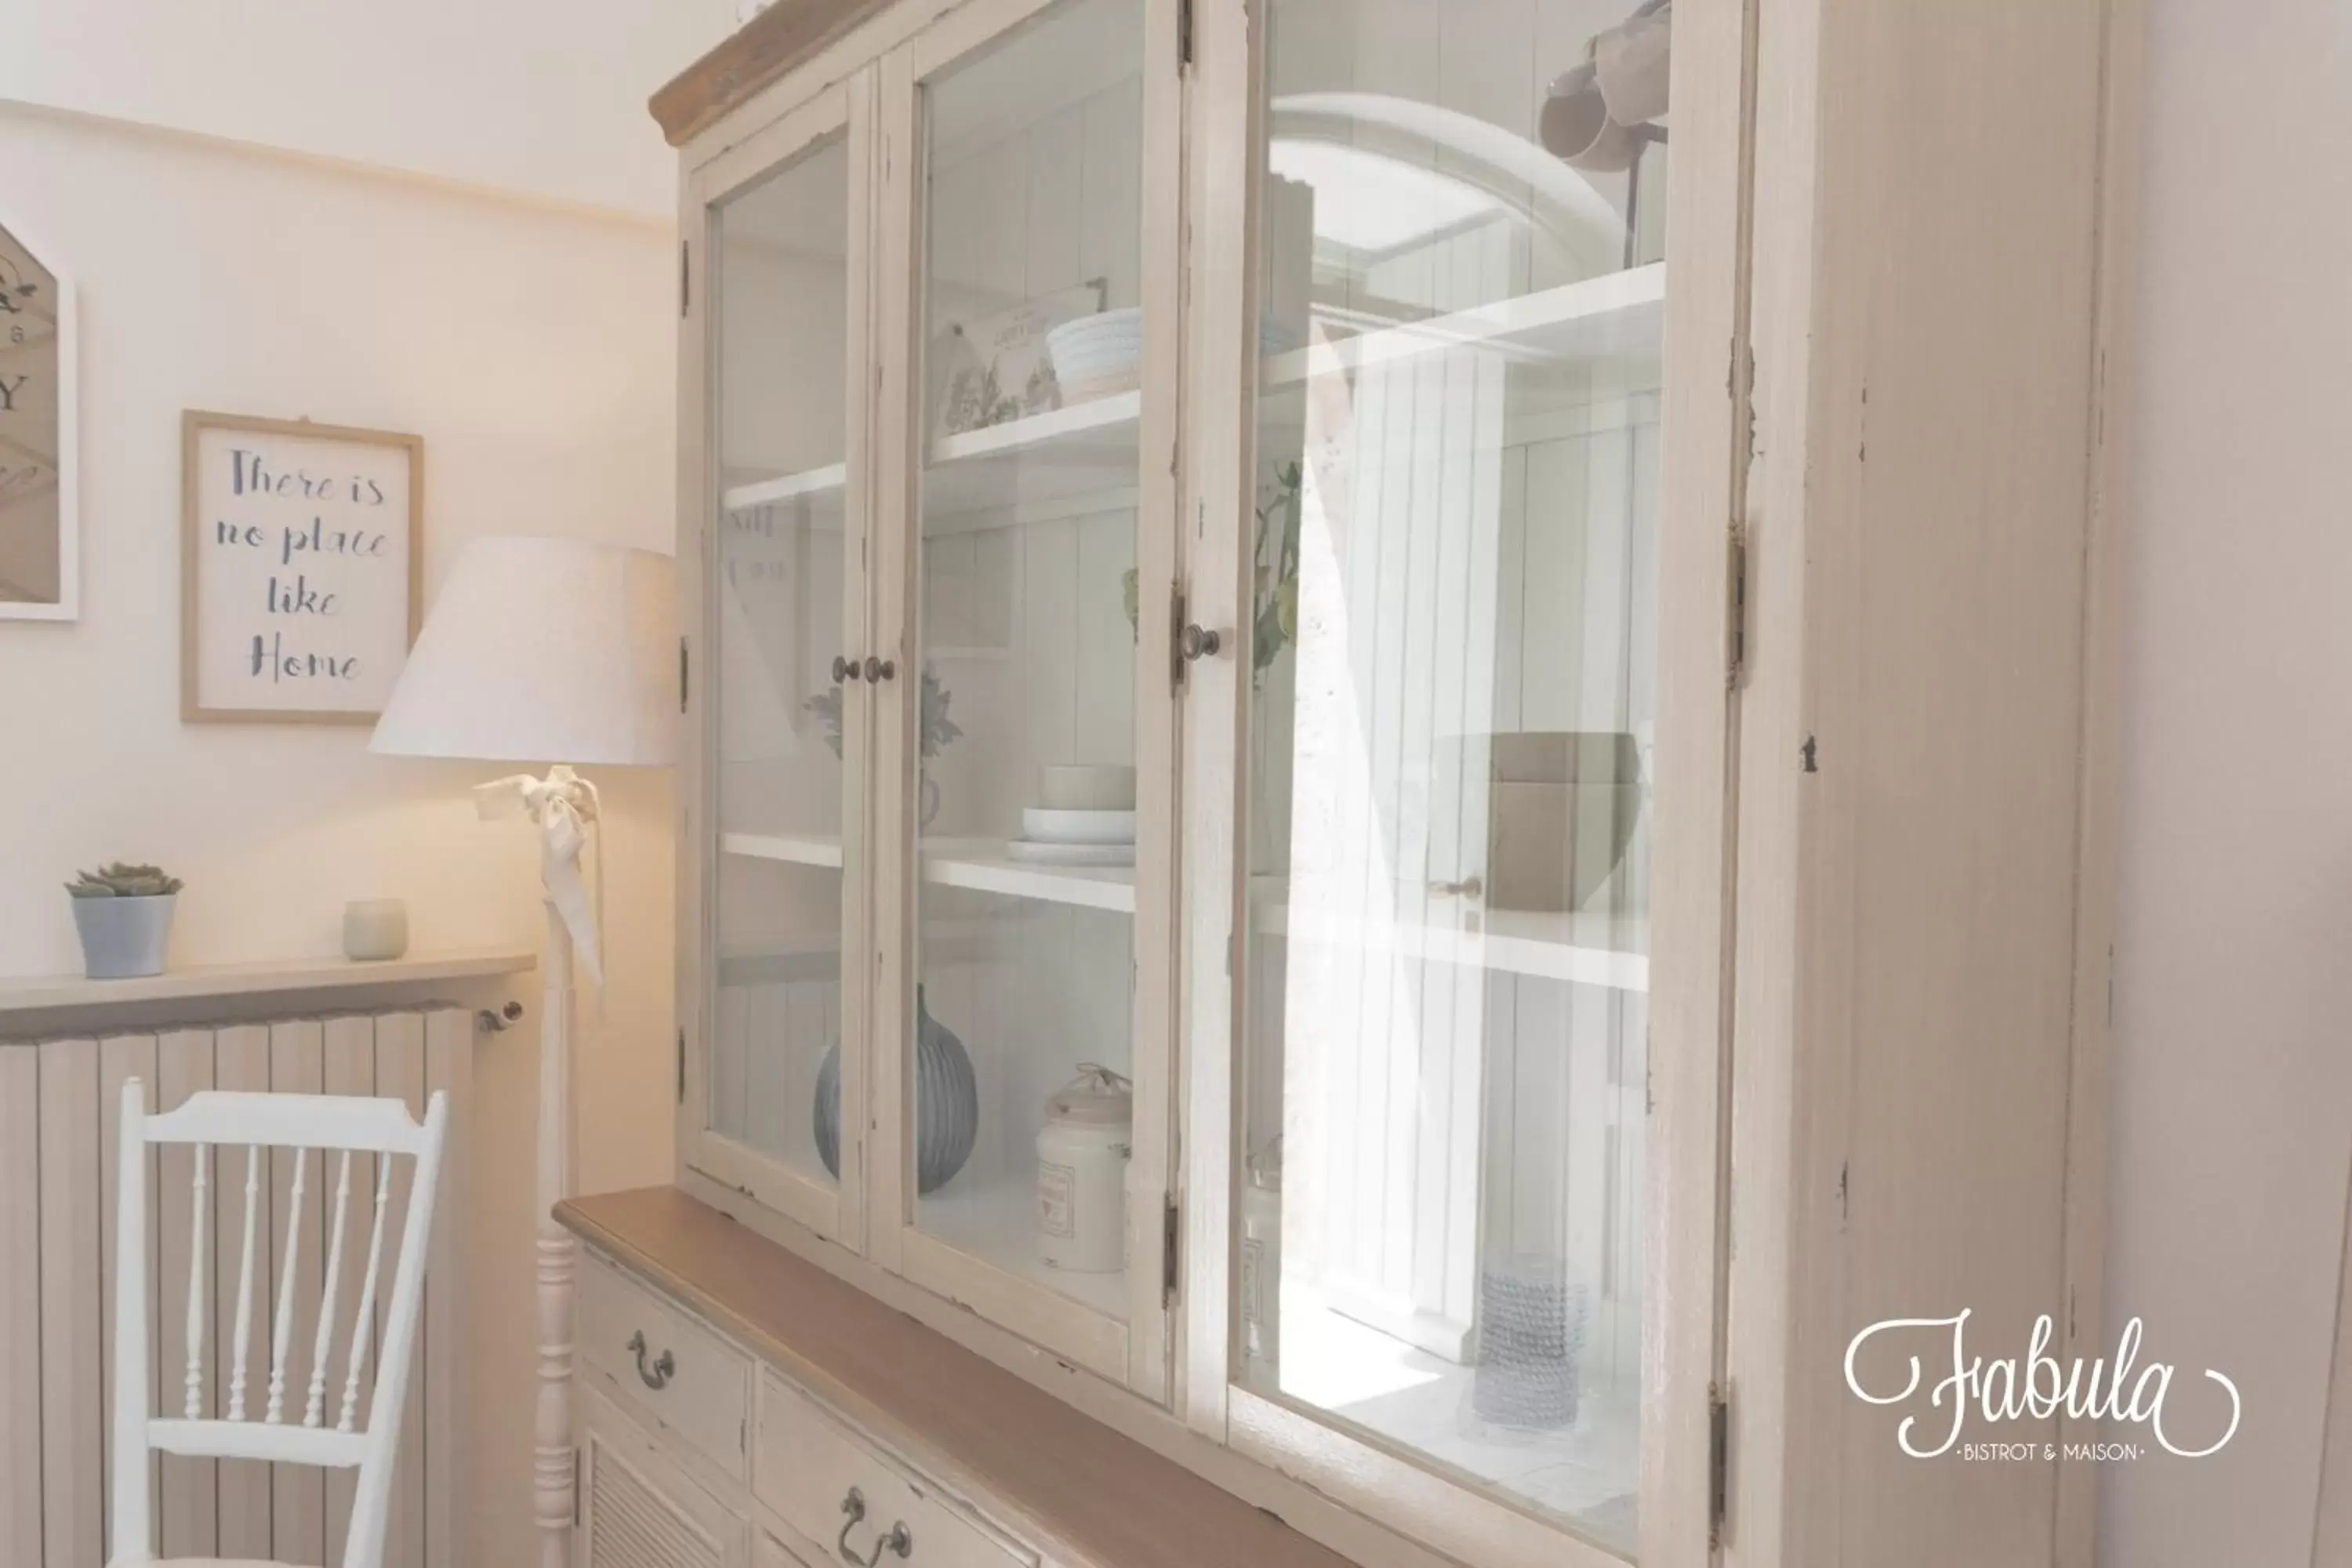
1452	705
780	578
1030	316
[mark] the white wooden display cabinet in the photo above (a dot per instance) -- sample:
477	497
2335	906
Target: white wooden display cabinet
1615	653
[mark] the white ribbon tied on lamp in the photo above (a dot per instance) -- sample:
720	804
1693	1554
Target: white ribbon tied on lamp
563	804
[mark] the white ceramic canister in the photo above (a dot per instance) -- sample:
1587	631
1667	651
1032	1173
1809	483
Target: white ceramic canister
1081	1157
1261	1282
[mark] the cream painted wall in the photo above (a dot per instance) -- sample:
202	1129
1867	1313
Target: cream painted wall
539	96
532	350
2232	1087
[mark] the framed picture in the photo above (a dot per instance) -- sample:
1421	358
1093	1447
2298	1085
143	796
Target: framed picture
299	569
39	567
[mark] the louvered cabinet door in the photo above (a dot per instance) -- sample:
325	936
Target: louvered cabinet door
639	1511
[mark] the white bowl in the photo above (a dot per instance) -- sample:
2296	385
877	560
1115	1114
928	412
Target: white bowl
1085	786
1044	824
1085	389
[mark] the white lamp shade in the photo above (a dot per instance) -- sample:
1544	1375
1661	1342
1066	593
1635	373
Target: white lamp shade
543	650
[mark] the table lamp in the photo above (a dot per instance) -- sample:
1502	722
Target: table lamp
562	652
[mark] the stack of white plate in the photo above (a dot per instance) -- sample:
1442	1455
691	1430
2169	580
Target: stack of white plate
1075	837
1099	355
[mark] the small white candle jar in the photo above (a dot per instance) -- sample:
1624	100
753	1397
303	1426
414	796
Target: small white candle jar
1081	1157
375	930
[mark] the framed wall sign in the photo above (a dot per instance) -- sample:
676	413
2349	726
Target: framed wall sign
300	567
39	572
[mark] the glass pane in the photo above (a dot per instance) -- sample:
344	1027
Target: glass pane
1453	671
1032	335
780	293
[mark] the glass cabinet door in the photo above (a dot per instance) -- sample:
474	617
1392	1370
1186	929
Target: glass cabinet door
782	607
1031	1141
1439	1227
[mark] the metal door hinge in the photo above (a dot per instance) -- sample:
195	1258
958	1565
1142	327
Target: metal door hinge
1736	652
1718	1461
1176	639
1184	34
681	675
575	1485
681	1066
685	276
1167	1241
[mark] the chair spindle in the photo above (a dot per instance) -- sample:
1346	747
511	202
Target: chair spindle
197	1262
325	1343
282	1340
245	1282
362	1328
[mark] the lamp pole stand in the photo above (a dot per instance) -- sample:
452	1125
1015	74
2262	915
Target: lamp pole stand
554	1473
563	805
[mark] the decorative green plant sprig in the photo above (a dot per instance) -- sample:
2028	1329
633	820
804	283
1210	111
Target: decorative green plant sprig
122	881
1274	554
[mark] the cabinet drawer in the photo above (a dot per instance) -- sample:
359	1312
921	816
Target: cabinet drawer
808	1465
704	1392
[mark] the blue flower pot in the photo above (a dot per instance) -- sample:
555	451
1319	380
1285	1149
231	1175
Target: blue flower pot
122	938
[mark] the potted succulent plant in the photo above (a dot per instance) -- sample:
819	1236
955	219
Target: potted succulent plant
124	915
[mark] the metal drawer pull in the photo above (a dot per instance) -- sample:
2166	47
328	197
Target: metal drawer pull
844	670
1195	643
658	1376
901	1540
878	670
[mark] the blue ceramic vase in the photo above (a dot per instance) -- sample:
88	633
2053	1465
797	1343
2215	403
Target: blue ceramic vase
947	1103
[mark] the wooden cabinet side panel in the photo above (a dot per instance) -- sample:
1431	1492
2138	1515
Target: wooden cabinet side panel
1911	749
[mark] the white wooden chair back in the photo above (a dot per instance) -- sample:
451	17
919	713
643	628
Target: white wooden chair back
255	1423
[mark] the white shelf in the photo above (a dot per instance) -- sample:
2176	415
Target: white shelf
996	1224
276	977
796	848
1584	948
786	486
978	864
1587	949
1089	448
1617	314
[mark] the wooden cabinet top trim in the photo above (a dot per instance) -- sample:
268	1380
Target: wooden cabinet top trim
763	49
1102	1494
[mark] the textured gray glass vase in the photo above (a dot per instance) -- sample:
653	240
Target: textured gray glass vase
947	1103
124	938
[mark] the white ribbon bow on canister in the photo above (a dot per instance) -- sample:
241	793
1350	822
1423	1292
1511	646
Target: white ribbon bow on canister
563	804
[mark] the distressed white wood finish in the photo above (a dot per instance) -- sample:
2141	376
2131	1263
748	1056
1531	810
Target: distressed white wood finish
640	1507
1911	811
707	1141
2114	358
137	1431
1790	913
1012	221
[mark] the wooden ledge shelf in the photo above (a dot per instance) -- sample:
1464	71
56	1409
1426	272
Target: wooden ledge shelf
1106	1497
25	1000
